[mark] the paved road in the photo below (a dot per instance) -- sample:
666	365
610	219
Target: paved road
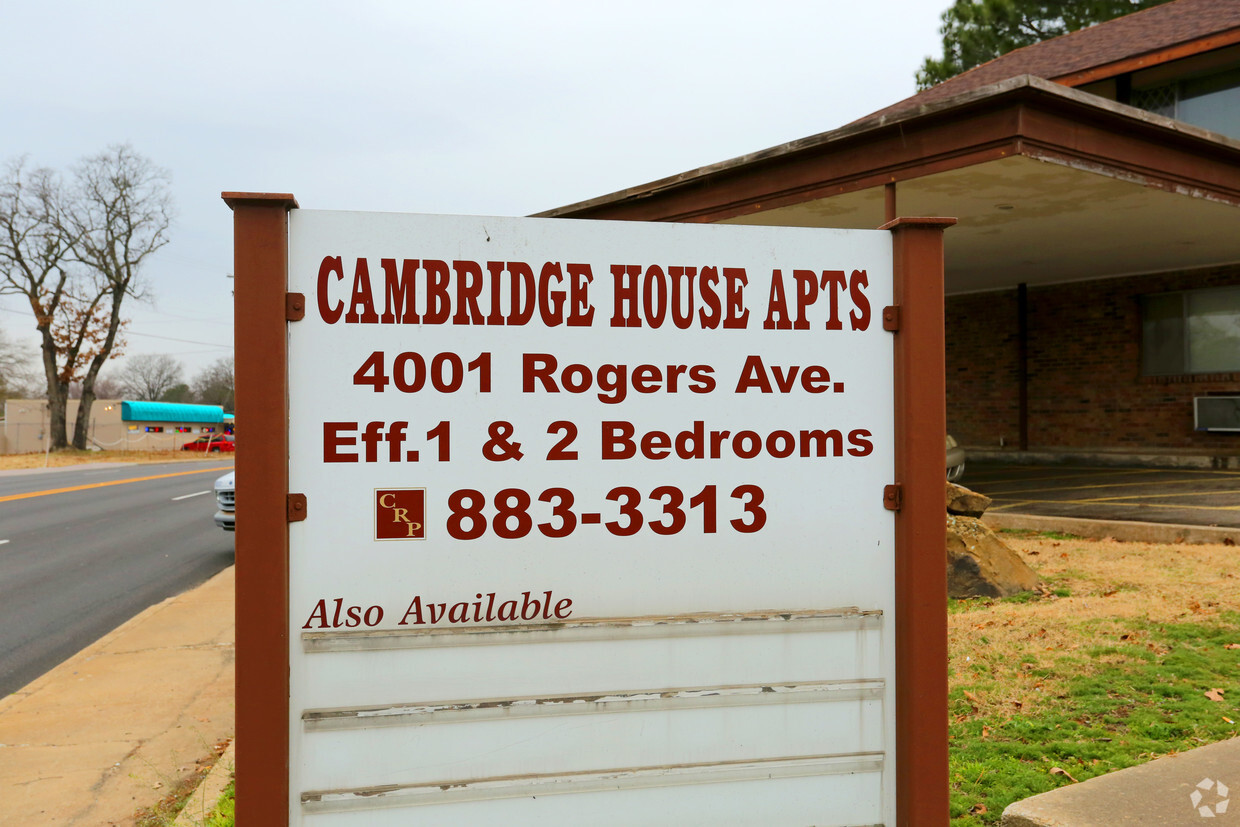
83	549
1180	496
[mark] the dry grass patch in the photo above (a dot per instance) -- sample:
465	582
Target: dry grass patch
61	459
1017	654
1129	651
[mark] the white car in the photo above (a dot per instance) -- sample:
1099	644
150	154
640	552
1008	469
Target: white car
226	499
955	460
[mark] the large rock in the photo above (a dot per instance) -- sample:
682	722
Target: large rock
979	564
961	500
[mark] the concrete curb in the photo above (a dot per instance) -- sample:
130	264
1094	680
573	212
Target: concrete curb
97	737
201	804
1132	532
1106	459
97	649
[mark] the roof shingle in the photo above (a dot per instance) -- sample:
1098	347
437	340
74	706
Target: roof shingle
1150	30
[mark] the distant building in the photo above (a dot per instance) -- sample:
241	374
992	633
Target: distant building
1093	280
116	425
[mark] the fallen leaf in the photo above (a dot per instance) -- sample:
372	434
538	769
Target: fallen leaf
970	697
1214	694
977	809
1227	541
1232	646
1064	773
986	730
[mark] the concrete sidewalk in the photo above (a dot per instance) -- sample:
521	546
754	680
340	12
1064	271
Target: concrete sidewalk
116	726
1175	790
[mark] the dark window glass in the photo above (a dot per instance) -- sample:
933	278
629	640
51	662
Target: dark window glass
1211	102
1196	331
1162	334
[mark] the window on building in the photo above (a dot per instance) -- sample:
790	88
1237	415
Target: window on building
1211	102
1194	331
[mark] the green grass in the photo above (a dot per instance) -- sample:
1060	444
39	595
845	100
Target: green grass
1125	701
225	809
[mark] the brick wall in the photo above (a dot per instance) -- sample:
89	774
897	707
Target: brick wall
1084	362
981	370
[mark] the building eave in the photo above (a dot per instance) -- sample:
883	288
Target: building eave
1021	115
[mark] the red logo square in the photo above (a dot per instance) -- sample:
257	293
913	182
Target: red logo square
400	514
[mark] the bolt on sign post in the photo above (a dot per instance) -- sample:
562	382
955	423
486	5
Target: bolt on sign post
552	522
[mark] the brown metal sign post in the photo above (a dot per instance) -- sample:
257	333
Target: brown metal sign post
260	251
264	308
921	574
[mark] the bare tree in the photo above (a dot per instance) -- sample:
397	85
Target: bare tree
214	384
36	249
147	377
123	210
74	254
107	387
17	380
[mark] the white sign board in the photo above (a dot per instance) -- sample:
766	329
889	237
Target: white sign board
595	526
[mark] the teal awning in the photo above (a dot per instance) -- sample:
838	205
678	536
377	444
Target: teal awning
171	412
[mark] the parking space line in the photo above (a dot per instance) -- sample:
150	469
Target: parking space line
1233	492
1098	472
1146	505
994	494
1016	504
1119	472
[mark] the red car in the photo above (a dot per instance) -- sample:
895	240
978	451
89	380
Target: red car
212	442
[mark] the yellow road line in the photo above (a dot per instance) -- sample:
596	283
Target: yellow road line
49	491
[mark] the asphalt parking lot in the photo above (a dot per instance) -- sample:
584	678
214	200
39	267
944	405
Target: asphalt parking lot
1180	496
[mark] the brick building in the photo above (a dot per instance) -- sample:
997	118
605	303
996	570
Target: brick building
1093	279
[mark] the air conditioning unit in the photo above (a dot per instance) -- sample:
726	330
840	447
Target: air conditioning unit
1216	413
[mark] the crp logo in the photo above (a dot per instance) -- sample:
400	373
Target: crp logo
1204	786
400	514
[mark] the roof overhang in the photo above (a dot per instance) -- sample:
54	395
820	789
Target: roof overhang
1049	184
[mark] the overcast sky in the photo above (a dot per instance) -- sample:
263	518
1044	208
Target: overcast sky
484	108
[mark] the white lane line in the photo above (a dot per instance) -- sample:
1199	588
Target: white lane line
187	496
